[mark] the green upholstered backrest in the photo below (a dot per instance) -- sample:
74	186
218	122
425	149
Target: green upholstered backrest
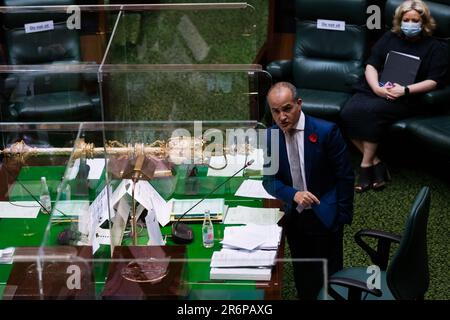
407	274
59	44
23	16
329	59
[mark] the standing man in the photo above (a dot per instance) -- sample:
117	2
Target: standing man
315	181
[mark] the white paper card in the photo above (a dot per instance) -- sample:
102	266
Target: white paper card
99	208
70	208
235	163
253	189
154	232
39	26
6	255
331	24
96	167
248	215
19	209
147	196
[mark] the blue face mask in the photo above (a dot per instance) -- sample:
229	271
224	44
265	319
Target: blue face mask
411	29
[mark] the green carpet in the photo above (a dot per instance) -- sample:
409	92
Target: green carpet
387	210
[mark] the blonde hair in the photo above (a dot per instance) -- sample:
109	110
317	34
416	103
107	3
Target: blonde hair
428	23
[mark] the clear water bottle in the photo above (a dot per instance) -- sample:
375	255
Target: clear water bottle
64	191
208	231
44	197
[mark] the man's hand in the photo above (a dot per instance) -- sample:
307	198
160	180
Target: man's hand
305	198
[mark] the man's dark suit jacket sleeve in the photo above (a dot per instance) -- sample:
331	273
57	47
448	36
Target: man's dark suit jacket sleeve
339	157
274	186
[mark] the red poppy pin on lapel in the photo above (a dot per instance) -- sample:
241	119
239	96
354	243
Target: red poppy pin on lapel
313	137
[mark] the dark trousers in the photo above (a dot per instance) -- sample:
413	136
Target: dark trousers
308	238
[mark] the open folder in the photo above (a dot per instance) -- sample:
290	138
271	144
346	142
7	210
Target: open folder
400	68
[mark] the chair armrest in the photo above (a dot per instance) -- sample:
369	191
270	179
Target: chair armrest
10	83
355	288
439	97
280	69
380	256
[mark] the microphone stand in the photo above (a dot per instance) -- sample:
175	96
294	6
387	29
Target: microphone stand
181	233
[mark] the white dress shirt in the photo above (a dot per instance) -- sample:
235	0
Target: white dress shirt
298	135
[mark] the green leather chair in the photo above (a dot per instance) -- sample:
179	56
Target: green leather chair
326	63
432	129
406	277
46	96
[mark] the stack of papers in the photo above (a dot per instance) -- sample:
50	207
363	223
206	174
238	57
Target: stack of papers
248	253
252	237
227	258
6	255
255	274
19	209
249	215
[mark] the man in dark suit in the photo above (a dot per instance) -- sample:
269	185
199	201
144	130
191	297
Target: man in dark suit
314	179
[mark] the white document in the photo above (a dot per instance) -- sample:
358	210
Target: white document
249	215
242	240
253	189
154	232
236	258
103	236
269	236
235	163
99	207
120	191
98	213
73	208
6	255
19	209
232	166
96	167
261	274
123	209
215	206
147	196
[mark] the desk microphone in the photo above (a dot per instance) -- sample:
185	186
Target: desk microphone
182	233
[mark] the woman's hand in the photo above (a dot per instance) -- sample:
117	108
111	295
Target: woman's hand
395	92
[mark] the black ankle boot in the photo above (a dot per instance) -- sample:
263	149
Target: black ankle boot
365	180
381	176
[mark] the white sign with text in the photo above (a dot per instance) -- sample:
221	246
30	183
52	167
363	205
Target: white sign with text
331	25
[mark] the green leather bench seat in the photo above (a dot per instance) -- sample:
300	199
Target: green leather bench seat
434	132
57	106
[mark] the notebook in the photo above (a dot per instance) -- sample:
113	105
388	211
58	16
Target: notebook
400	68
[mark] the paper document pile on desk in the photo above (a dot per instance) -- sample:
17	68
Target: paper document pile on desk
6	255
249	215
248	253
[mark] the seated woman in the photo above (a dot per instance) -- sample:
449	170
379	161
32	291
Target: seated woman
368	114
